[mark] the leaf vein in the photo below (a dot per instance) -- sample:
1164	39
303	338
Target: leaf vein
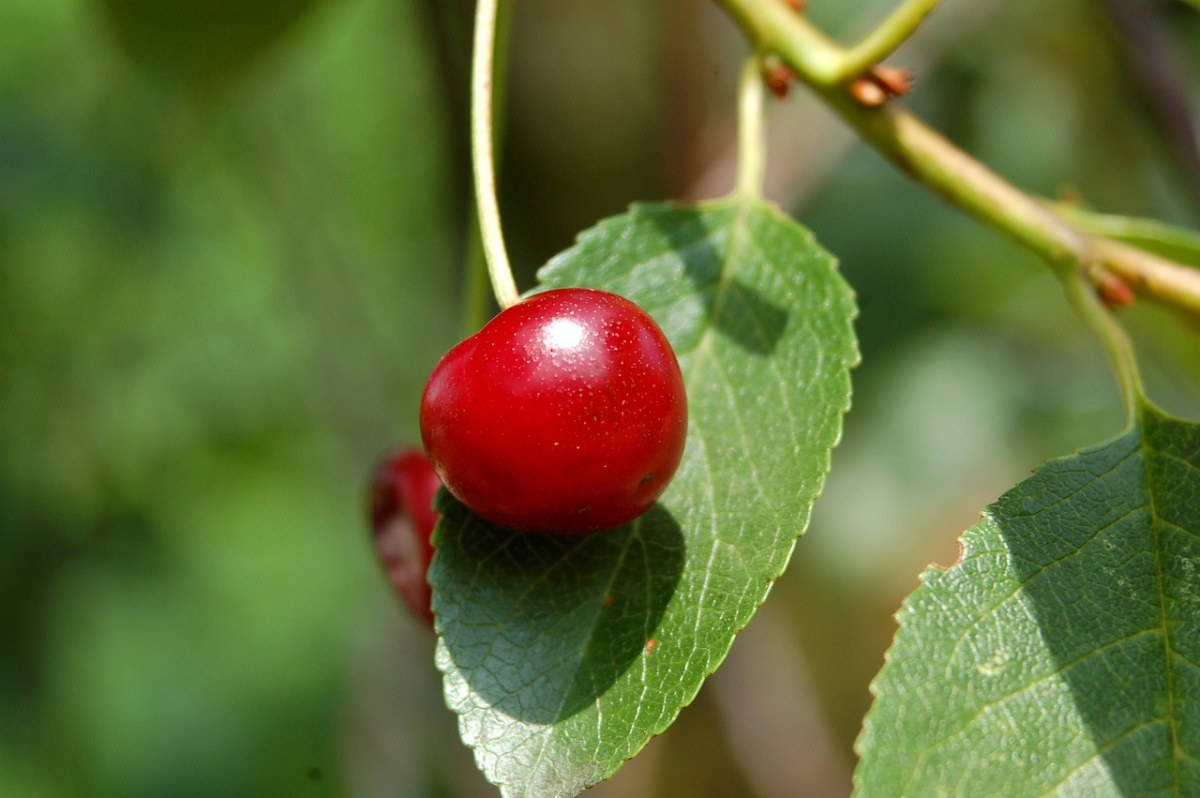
1169	649
1026	581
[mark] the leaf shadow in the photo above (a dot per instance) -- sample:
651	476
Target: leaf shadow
540	626
738	310
1090	571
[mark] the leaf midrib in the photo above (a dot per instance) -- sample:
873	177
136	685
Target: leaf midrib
701	353
1169	652
701	358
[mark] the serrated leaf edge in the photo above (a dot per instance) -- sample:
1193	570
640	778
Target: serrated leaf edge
934	572
854	360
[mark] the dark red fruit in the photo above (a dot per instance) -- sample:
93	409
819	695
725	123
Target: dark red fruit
566	413
402	519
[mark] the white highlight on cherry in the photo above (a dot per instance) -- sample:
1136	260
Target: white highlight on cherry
563	334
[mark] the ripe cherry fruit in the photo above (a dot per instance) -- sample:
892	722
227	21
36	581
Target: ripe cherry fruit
402	520
566	413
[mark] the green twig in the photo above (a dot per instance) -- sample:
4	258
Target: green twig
947	170
1159	277
771	26
939	165
886	37
483	155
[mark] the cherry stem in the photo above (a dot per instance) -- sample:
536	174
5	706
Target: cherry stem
483	154
752	148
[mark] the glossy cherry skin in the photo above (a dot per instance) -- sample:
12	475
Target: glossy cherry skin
566	413
402	521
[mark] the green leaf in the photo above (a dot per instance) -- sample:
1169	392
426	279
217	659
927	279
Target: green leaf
563	656
1062	654
1169	241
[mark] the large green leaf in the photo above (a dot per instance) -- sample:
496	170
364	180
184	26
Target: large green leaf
563	656
1061	656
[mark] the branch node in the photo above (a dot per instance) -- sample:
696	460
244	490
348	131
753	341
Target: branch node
1112	290
880	85
779	78
896	81
867	93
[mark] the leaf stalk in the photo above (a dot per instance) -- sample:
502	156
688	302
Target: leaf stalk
1112	335
752	145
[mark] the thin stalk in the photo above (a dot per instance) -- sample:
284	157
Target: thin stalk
483	155
886	37
1112	335
752	146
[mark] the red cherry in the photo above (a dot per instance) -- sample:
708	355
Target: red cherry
566	413
402	520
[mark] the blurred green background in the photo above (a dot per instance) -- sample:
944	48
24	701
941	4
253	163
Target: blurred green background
232	239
